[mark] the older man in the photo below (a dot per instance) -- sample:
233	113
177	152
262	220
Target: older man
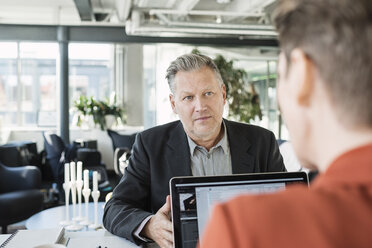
324	91
201	143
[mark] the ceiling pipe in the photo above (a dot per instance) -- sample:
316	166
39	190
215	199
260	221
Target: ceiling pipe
187	5
253	6
85	10
138	26
155	30
202	12
123	9
168	22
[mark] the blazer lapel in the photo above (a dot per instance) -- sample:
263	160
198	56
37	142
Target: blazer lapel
241	160
179	161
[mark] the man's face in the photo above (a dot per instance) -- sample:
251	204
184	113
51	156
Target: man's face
199	100
294	115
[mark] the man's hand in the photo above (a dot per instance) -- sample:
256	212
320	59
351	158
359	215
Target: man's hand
159	227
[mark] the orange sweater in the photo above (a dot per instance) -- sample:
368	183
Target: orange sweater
335	212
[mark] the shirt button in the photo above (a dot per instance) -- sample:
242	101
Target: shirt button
208	155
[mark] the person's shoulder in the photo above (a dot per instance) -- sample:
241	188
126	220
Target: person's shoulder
258	215
255	213
265	200
294	212
160	130
245	127
276	215
298	200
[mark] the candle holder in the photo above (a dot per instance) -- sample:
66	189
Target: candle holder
79	186
86	193
74	226
66	187
95	196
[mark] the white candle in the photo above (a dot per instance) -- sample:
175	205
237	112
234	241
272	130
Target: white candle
86	179
73	171
95	181
67	173
79	171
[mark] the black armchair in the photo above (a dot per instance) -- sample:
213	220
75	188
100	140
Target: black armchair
20	196
19	153
91	160
122	146
57	154
121	140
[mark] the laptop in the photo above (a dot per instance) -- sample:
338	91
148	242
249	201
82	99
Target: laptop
192	198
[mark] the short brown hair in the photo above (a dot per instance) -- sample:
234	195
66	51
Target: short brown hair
190	62
337	36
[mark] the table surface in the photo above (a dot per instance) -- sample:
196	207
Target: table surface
85	239
92	239
51	217
4	237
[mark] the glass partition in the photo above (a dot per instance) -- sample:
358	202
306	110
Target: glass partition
91	67
37	85
8	83
29	84
28	81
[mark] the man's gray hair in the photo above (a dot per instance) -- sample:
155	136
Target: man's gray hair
191	62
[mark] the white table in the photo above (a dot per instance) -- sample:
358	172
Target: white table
51	217
4	237
84	239
95	239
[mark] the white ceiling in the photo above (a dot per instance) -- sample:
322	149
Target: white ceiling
148	17
38	12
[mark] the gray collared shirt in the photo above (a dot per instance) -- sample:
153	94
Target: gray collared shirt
203	163
215	162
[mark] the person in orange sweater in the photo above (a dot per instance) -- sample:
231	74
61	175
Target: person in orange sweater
324	92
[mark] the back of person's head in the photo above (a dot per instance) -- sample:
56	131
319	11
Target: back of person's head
190	62
336	35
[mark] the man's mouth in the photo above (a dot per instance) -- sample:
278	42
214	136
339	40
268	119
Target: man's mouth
202	118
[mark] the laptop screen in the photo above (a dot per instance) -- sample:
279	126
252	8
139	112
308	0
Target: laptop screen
193	198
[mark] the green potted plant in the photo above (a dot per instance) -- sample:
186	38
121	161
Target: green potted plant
243	100
103	113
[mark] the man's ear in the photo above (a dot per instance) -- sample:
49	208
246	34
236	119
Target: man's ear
173	105
224	93
304	68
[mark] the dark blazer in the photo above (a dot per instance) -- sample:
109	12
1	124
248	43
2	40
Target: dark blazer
161	153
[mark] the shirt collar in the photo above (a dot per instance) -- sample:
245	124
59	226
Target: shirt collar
223	142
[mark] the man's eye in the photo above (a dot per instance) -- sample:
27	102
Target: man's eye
187	98
209	93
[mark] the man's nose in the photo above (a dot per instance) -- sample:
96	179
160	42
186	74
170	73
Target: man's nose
200	104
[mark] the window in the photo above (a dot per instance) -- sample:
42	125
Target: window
38	83
91	70
27	79
8	82
29	85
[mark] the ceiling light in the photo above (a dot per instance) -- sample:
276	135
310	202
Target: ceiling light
218	19
223	1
